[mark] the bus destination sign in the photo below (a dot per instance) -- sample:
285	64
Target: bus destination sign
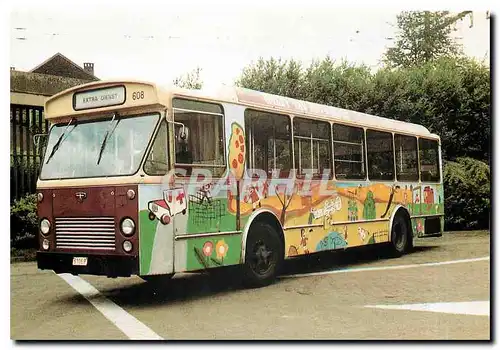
111	96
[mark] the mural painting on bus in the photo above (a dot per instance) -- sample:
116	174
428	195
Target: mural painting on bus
179	208
211	214
420	200
318	212
157	206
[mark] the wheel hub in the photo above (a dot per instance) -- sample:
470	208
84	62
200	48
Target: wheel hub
262	258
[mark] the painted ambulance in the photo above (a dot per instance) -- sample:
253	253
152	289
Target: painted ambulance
173	203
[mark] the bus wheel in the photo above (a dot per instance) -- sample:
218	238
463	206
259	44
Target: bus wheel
401	237
264	255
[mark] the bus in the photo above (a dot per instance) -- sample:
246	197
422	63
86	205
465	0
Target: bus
149	181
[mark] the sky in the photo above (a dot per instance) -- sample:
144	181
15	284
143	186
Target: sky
150	41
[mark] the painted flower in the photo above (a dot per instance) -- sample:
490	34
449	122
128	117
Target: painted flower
221	249
208	248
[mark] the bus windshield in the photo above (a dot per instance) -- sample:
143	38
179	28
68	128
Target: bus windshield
80	152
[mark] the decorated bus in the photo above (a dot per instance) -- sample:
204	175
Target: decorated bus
150	181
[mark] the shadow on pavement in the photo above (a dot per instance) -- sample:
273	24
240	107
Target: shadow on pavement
355	257
190	286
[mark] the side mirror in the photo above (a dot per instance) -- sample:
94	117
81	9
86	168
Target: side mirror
183	134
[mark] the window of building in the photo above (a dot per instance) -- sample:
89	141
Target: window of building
157	161
348	149
429	160
311	141
268	138
200	143
406	158
380	155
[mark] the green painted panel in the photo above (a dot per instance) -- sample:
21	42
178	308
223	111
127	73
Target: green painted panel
146	240
212	217
209	252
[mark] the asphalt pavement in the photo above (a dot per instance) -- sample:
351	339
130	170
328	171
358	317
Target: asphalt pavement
441	290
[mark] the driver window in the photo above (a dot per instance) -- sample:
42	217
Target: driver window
157	160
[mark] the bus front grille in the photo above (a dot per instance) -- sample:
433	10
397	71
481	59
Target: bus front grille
94	233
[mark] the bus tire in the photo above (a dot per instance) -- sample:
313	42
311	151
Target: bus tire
401	236
263	257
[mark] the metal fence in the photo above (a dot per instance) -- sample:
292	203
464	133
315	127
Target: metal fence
25	158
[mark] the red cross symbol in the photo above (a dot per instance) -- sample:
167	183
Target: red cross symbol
180	197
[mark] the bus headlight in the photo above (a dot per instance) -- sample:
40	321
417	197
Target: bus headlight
39	196
127	227
45	244
45	226
127	246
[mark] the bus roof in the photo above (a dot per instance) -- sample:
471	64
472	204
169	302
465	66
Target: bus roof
61	104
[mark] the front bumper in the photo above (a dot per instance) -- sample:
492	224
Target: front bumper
104	265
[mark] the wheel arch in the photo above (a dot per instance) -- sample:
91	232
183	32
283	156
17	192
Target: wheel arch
400	210
266	216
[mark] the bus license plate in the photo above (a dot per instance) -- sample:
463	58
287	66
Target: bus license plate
80	261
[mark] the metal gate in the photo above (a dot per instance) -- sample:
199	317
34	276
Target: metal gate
25	158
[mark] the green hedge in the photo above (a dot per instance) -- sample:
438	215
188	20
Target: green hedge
467	194
24	223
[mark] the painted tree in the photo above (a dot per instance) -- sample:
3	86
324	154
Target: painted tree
285	195
424	36
369	207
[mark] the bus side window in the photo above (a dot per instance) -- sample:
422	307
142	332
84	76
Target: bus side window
312	148
348	152
269	142
380	155
406	157
203	146
157	160
429	160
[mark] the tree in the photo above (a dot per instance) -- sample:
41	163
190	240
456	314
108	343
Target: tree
190	80
449	96
274	76
422	37
467	194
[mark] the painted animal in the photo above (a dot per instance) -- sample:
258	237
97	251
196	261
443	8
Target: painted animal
362	233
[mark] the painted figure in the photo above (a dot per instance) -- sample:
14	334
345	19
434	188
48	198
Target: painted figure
205	194
303	241
253	196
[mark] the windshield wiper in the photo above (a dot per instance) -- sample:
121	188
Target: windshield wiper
108	133
59	141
